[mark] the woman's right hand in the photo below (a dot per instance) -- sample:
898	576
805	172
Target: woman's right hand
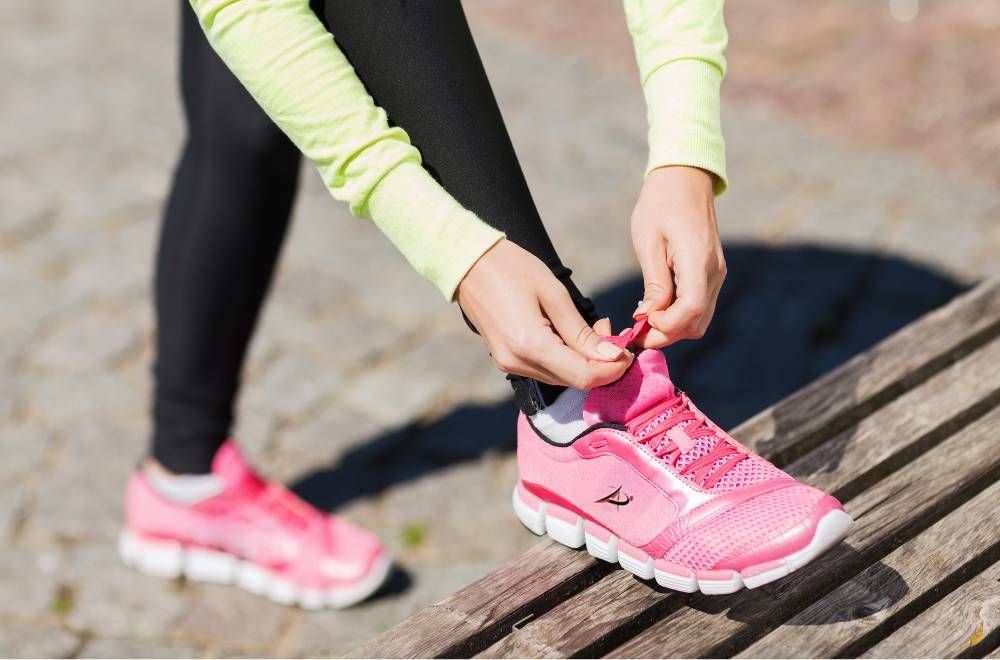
529	322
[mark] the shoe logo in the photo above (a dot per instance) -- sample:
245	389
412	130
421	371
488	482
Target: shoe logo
612	498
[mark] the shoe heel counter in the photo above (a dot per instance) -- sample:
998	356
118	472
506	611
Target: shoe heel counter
145	511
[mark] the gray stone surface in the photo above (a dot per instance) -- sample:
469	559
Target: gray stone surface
19	639
224	618
33	441
110	647
85	343
110	600
363	388
30	583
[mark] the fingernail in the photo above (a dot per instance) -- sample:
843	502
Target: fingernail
609	350
641	309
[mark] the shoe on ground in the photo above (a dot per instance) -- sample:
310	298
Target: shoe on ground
252	534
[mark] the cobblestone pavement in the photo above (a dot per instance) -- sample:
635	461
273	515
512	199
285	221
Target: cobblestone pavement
90	127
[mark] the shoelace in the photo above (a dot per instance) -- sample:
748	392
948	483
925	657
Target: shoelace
678	411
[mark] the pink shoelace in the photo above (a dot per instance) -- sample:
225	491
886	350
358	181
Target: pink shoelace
678	410
680	415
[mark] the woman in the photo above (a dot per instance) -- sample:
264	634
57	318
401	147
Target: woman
400	119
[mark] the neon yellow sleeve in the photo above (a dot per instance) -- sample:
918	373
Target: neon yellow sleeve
679	46
289	62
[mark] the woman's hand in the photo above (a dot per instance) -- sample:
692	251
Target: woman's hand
530	324
676	239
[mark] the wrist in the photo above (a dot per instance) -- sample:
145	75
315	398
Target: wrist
683	179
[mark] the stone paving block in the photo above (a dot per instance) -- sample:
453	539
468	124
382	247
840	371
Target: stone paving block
320	442
253	431
292	385
96	460
29	296
112	600
9	396
29	579
134	648
232	618
401	296
848	223
357	337
26	445
307	289
450	528
61	399
283	330
84	343
130	273
35	640
442	368
12	504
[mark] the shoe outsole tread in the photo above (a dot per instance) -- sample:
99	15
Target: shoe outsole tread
571	530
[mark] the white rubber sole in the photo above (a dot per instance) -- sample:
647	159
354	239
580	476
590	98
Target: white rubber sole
571	530
170	559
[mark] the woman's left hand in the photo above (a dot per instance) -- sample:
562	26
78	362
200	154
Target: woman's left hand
676	239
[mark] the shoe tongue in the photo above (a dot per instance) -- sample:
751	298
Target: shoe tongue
231	467
644	385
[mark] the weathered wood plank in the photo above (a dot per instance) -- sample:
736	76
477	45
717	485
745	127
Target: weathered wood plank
869	606
534	582
965	621
886	515
795	425
861	385
845	464
591	616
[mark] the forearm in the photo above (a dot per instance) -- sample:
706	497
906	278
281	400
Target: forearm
679	48
290	64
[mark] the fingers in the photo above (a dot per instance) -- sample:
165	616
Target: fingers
658	281
574	331
603	327
547	359
569	367
690	313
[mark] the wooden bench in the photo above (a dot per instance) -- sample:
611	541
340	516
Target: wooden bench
907	435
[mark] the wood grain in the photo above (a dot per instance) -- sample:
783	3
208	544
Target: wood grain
607	612
869	606
962	621
489	607
532	583
890	513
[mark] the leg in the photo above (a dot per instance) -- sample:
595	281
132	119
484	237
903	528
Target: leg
419	62
222	233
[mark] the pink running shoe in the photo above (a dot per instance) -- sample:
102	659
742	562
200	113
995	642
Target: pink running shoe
254	534
646	480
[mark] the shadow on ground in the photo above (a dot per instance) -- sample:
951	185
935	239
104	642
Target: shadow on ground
786	316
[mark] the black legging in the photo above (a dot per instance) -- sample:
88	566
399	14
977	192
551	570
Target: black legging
233	190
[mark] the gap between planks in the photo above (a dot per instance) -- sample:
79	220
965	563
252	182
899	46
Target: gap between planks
622	606
891	513
865	383
874	604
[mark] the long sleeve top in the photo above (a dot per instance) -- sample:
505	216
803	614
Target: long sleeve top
290	64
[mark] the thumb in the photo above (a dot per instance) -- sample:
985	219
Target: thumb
658	281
